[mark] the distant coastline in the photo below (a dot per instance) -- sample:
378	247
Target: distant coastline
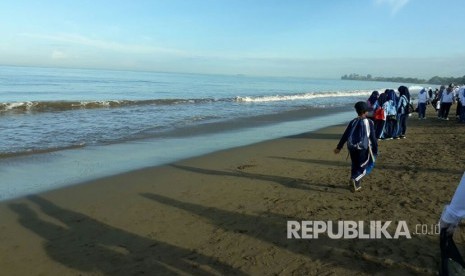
433	80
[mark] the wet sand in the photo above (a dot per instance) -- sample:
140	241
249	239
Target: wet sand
226	213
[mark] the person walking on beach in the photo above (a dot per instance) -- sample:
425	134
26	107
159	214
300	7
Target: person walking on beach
422	102
442	90
362	145
372	103
447	99
458	102
450	218
402	112
380	117
435	100
461	94
390	106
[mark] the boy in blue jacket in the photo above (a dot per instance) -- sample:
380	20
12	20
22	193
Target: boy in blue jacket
362	145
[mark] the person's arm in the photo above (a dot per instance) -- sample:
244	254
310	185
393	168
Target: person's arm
344	138
373	139
404	105
455	211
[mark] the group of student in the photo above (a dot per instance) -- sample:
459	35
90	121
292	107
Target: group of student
389	112
442	100
382	116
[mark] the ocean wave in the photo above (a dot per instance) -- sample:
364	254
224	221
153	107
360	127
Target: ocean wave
51	106
25	152
303	96
57	106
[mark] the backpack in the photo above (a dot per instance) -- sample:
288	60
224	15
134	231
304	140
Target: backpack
358	139
379	114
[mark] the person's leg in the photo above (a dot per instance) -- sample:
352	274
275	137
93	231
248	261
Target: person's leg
360	159
379	126
391	128
422	110
441	111
403	123
388	129
354	158
462	114
446	110
397	127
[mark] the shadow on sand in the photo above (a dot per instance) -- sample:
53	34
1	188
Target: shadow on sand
289	182
89	246
272	228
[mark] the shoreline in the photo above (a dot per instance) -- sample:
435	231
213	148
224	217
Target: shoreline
206	128
55	169
226	212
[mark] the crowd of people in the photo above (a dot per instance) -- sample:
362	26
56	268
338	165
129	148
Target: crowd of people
389	110
384	116
443	99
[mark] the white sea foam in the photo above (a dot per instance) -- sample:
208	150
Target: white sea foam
305	96
16	105
415	88
9	106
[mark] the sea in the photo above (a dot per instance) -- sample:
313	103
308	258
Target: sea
61	126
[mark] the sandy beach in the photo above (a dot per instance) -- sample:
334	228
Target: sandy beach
226	213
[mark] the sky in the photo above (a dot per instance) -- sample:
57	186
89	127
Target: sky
299	38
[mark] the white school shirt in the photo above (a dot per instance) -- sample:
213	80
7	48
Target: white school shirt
447	98
455	211
462	95
423	98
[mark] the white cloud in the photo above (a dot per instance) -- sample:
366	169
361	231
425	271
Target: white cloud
395	5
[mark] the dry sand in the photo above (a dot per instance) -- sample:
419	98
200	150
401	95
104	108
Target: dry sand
226	213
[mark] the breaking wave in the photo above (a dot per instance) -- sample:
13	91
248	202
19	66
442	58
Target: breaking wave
55	106
303	96
50	106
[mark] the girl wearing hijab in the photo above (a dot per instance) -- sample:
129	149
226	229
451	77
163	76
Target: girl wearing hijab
390	106
380	117
372	103
402	111
439	108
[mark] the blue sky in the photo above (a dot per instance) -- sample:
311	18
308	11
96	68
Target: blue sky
414	38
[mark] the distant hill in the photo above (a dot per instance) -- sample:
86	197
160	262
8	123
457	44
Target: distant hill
433	80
